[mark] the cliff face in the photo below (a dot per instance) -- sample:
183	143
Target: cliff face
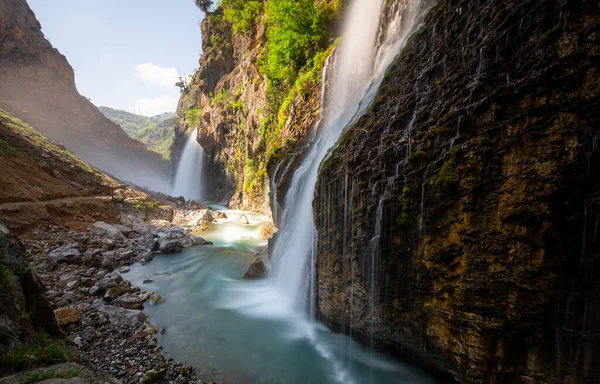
247	140
37	85
471	197
226	100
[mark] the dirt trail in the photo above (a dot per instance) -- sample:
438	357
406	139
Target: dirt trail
17	205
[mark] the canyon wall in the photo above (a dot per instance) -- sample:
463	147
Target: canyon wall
37	84
245	136
457	220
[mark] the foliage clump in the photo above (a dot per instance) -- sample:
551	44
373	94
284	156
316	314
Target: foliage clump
38	350
7	149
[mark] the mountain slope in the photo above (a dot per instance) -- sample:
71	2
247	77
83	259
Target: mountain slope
156	132
37	84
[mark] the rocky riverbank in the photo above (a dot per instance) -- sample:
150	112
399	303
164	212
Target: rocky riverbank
99	311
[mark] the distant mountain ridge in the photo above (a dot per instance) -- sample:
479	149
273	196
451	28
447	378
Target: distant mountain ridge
156	132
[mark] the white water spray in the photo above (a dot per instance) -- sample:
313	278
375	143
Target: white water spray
359	69
188	178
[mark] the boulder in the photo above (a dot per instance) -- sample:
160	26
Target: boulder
66	316
101	229
176	233
119	315
65	254
124	269
170	246
257	270
130	301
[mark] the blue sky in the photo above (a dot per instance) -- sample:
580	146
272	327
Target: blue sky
125	53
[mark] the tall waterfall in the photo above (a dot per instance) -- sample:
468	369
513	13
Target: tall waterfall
365	53
188	178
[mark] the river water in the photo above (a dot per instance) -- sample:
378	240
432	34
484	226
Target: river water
235	331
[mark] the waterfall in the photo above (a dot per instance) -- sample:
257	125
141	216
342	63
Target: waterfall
362	59
188	178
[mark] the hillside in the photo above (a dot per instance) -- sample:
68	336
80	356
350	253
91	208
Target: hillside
156	132
38	86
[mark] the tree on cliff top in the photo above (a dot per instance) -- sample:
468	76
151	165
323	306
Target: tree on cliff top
204	5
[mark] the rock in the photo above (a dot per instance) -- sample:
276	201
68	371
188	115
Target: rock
101	229
66	316
126	254
148	281
170	246
124	269
130	301
154	375
121	316
161	224
118	199
219	215
95	291
267	230
243	219
257	270
176	233
66	254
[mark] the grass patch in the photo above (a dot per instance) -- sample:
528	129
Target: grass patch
7	149
41	375
40	350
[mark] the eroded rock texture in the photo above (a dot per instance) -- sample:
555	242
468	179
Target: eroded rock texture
457	221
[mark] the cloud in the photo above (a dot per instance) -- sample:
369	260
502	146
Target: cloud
155	106
153	74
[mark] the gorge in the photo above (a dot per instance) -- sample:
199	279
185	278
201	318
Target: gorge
412	183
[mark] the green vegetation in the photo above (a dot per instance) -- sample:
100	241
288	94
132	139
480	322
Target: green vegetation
146	205
204	5
296	32
156	132
39	350
447	180
46	374
404	199
550	35
242	14
7	149
40	141
418	158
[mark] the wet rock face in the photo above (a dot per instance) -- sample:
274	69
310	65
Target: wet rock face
457	219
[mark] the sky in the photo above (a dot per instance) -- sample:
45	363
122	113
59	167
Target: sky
127	54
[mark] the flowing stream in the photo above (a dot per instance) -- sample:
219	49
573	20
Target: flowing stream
188	178
212	322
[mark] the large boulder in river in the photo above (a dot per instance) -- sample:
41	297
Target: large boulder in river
23	305
257	270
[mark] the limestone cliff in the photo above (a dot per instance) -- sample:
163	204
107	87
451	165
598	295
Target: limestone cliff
37	84
471	191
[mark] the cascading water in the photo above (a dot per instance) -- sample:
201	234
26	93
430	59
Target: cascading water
363	56
188	178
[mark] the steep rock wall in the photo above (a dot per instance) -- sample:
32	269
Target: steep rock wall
457	219
244	139
37	85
